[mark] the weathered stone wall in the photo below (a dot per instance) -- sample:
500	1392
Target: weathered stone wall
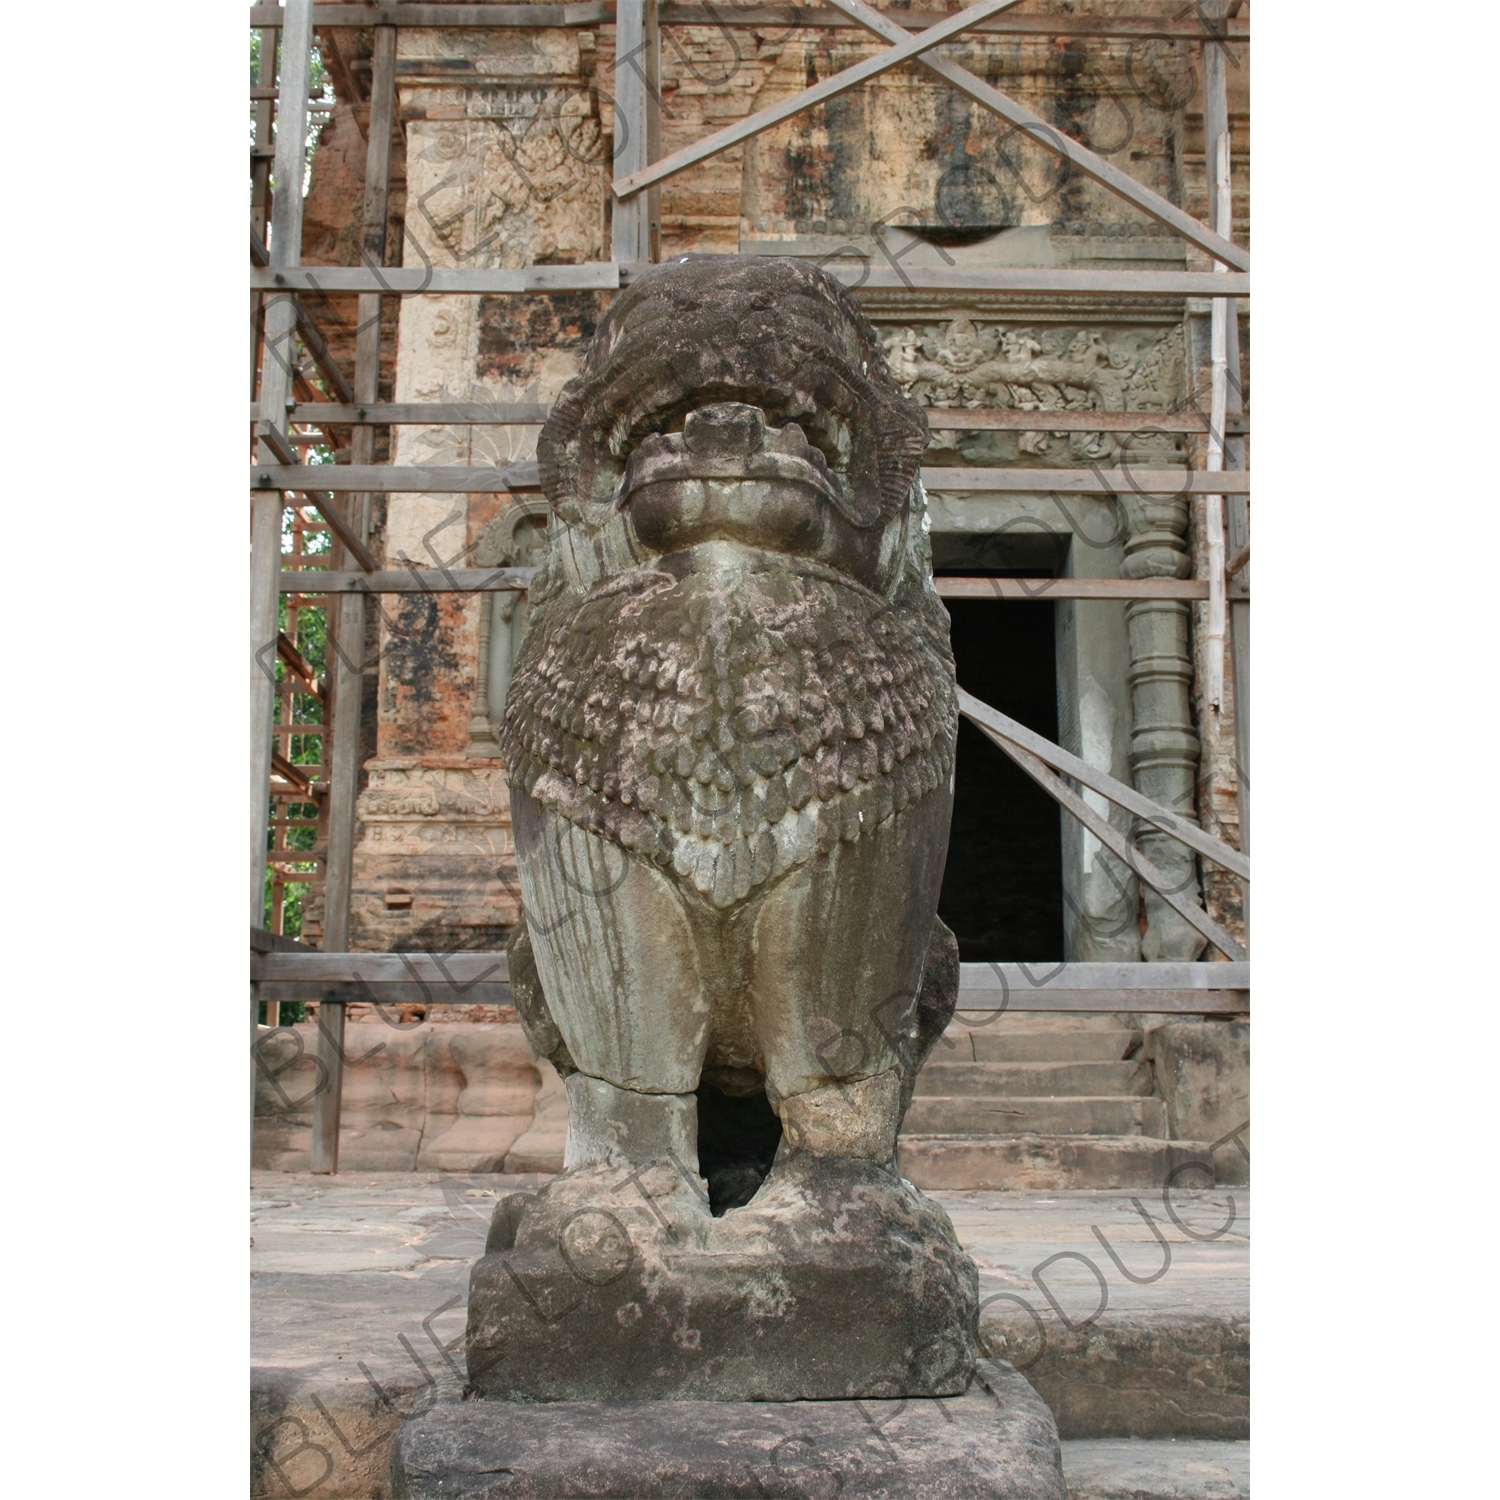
494	179
333	210
416	1097
905	145
1202	1071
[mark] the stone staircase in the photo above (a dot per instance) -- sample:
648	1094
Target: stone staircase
1038	1101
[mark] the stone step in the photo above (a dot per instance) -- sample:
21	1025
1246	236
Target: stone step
990	1022
1014	1163
1023	1036
995	1439
1128	1115
349	1270
1156	1469
1105	1044
1033	1080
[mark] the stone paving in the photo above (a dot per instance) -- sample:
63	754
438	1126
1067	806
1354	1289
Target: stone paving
359	1286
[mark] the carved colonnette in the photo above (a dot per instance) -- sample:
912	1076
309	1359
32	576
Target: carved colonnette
514	539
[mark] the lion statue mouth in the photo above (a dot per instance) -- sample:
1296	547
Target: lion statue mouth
730	440
728	476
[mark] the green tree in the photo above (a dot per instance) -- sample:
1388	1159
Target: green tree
320	91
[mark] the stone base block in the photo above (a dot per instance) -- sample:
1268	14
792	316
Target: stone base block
837	1281
996	1441
1173	1469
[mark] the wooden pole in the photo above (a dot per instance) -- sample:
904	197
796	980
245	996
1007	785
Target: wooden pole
637	103
1213	505
1183	26
854	270
1215	124
349	639
260	193
653	126
275	392
515	413
1237	521
994	723
1166	886
453	479
260	182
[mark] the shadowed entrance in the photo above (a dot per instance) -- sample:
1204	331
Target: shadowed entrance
1002	886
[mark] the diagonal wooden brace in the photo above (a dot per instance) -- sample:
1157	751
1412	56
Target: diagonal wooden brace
994	723
1050	139
1110	837
908	46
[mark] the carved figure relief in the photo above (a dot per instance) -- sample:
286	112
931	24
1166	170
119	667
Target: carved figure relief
964	363
519	178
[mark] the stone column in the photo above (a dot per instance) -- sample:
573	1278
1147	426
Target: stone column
1164	747
1100	901
505	167
1219	807
482	742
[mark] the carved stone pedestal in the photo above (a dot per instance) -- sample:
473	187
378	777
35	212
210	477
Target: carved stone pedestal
838	1280
996	1441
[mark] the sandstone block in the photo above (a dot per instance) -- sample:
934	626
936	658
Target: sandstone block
997	1440
1203	1075
837	1281
415	1097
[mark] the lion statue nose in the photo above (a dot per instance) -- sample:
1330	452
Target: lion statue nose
727	429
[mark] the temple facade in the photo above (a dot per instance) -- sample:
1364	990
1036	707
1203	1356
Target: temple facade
503	158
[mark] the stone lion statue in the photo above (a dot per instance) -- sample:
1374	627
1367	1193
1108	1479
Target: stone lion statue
730	740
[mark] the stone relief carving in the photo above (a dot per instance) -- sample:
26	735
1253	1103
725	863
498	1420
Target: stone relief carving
965	363
520	178
403	795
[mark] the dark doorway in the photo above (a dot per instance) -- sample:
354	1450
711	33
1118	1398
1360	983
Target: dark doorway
1002	888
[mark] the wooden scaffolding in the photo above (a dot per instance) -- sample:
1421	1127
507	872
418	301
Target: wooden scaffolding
310	522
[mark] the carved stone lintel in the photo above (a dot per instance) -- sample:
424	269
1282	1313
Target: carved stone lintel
968	363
